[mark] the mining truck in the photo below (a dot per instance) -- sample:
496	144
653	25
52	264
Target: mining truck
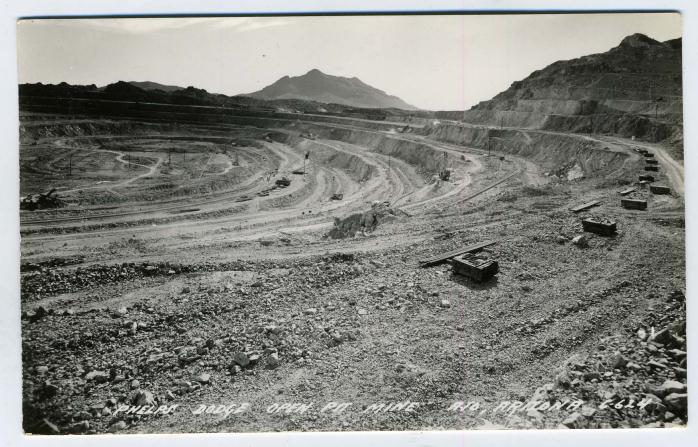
283	182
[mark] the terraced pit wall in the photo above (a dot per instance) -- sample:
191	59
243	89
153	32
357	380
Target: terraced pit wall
549	150
553	152
172	118
645	120
428	160
354	166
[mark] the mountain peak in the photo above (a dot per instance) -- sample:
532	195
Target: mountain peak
321	87
638	40
149	85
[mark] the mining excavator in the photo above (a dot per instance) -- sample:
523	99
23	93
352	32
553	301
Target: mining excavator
40	201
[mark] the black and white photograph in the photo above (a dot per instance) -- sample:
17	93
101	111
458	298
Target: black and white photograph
351	222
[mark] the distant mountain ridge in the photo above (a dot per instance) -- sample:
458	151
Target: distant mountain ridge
149	85
318	86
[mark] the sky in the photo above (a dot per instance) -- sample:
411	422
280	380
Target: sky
434	62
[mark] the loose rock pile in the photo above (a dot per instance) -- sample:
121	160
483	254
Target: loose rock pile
380	212
637	379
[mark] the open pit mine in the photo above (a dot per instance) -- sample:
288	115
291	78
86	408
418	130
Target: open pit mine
199	263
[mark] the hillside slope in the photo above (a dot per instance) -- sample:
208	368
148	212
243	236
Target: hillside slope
633	89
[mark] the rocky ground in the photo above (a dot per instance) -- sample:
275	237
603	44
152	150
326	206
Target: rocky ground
571	316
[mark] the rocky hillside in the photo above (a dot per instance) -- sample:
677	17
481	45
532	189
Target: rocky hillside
633	89
318	86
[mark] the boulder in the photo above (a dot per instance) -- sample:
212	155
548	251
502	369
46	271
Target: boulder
618	360
671	386
203	378
117	426
142	397
581	241
677	402
573	420
97	376
241	359
272	361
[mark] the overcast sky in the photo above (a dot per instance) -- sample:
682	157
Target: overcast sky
433	62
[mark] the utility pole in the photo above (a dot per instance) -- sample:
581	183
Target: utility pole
70	164
169	157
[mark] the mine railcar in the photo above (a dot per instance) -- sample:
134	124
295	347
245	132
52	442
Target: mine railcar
659	189
602	228
634	204
475	267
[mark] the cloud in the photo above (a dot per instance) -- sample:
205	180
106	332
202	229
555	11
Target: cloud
146	25
260	23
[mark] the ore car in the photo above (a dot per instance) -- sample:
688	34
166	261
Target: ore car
475	267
